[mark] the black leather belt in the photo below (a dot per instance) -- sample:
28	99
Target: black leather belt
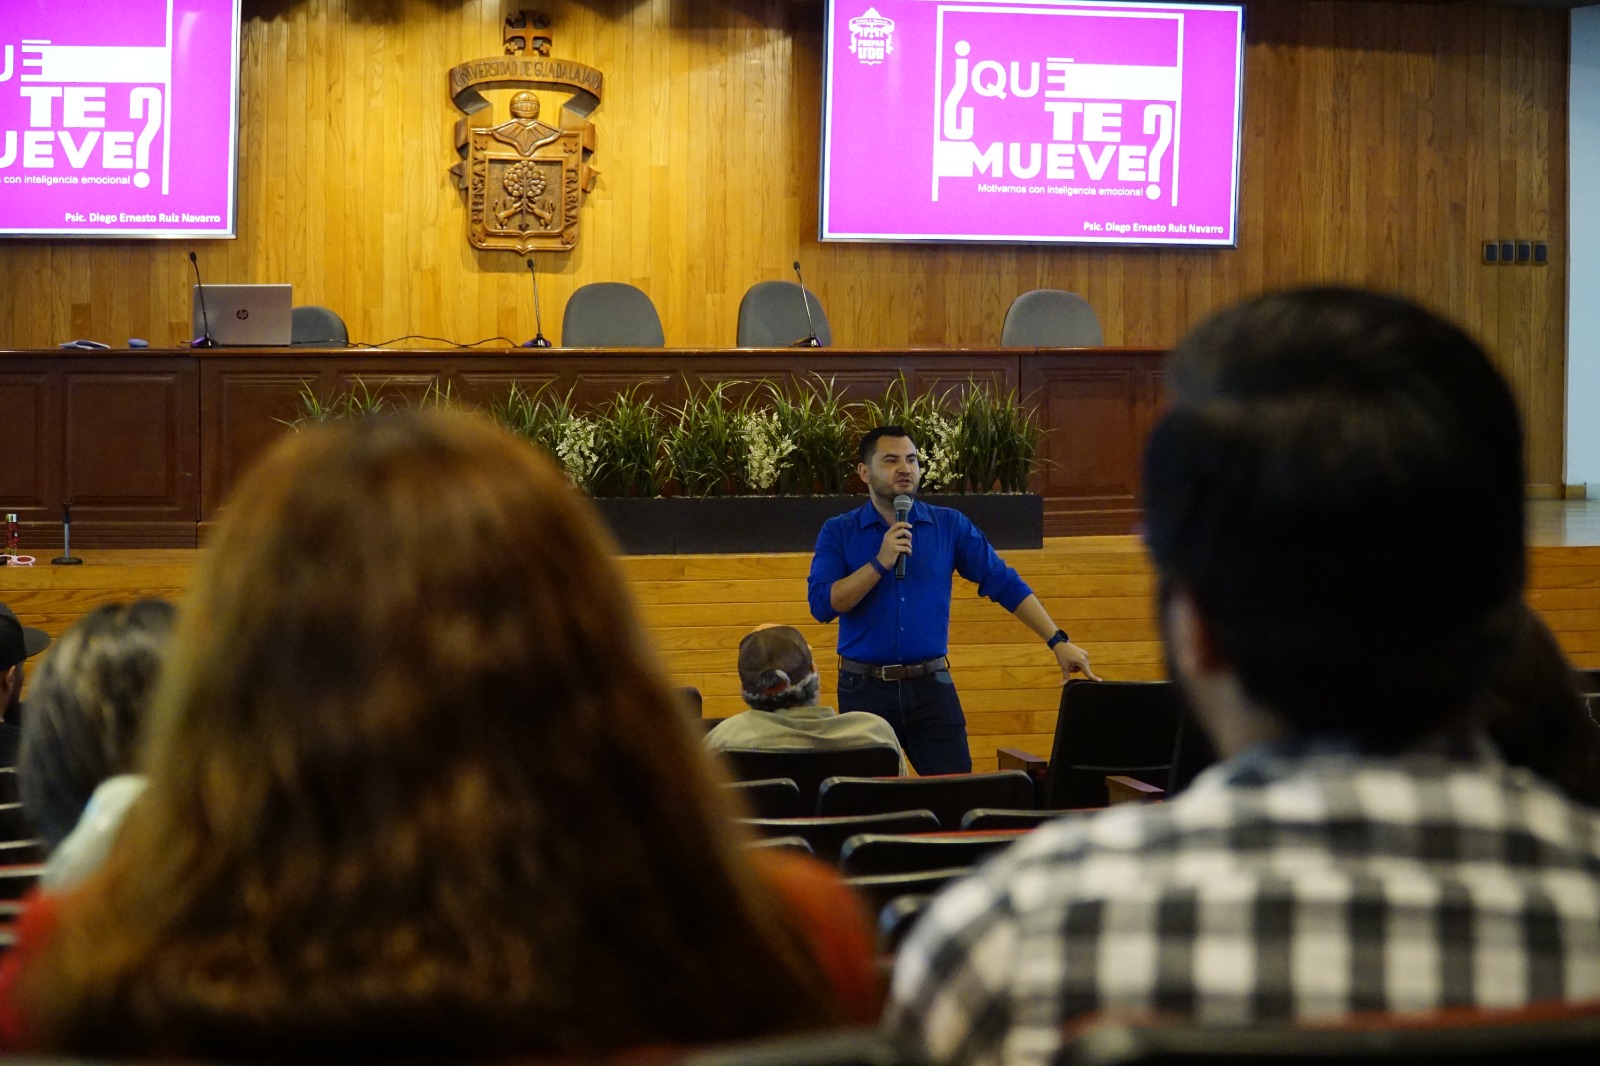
896	671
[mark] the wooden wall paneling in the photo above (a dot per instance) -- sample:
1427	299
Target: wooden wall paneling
1100	409
696	608
218	410
125	438
1380	144
1564	587
1001	380
677	184
1502	197
1088	457
484	388
30	477
244	404
1481	287
330	107
308	76
1454	153
1545	353
594	388
377	132
789	164
403	387
129	451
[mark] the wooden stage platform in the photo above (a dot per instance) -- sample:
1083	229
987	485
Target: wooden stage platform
698	607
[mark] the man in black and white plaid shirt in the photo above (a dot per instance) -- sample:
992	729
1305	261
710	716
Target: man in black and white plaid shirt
1334	506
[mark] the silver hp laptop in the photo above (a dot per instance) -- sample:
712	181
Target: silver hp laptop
245	314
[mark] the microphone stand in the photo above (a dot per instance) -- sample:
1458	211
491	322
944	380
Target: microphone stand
811	340
539	340
204	340
66	558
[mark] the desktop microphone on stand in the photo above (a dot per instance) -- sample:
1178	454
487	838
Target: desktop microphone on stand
810	340
539	340
66	558
204	340
902	511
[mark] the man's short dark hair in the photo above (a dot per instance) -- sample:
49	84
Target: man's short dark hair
1338	485
869	440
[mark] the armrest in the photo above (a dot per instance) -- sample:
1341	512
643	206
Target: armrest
1121	789
1033	765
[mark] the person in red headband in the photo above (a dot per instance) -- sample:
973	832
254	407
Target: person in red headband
778	680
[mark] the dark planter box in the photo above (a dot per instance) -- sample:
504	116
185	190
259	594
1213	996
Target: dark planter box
673	525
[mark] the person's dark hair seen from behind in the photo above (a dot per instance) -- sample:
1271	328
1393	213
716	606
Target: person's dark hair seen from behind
417	789
1334	505
1537	717
18	643
86	709
1318	435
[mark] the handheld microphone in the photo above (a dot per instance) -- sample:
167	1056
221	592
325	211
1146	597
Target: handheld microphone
902	511
539	340
204	340
811	340
66	558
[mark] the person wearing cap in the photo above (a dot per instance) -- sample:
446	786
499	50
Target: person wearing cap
893	603
778	679
17	644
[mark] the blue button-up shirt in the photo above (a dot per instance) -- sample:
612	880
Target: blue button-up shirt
906	621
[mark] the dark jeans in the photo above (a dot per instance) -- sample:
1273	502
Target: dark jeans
925	713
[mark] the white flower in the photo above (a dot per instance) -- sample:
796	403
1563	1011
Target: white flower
575	447
940	467
767	452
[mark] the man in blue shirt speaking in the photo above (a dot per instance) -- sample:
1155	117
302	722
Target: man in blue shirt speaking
893	606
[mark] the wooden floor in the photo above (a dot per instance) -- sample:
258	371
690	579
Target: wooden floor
698	606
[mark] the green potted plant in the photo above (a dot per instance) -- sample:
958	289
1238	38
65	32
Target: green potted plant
755	467
630	447
821	426
996	440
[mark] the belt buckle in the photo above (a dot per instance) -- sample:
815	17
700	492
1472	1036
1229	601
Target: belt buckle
896	672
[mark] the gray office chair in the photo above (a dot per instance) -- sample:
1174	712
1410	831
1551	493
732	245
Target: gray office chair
611	314
1051	318
771	315
317	327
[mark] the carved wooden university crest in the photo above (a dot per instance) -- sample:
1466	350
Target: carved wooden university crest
524	179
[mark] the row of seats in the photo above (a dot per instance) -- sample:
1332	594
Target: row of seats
22	855
899	840
782	781
1137	729
613	314
1553	1034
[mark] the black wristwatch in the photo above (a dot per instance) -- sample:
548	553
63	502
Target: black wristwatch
1060	638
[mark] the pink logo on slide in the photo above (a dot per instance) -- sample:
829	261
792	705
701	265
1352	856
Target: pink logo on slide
871	37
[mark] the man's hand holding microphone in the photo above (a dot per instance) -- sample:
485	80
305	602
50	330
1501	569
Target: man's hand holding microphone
896	545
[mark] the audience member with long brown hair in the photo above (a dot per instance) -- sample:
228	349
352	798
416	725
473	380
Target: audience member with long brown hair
86	714
418	788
